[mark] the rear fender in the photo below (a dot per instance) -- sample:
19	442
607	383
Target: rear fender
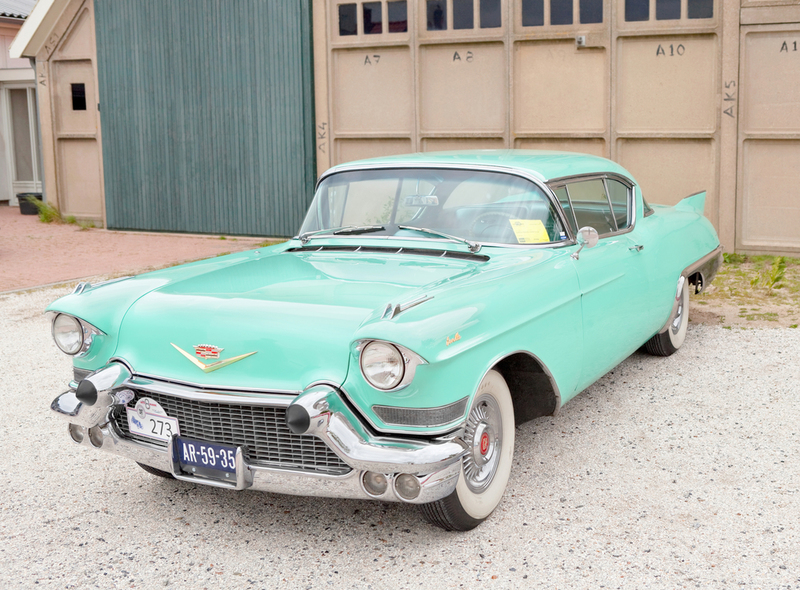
695	203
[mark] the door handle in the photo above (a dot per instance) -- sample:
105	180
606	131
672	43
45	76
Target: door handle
637	247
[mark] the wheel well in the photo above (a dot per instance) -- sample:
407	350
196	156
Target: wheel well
698	281
532	390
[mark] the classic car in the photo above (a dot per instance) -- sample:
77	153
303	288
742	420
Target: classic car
429	304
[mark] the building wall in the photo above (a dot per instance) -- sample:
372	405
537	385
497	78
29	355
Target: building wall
66	76
656	89
20	169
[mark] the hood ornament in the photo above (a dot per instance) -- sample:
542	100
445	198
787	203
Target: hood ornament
212	352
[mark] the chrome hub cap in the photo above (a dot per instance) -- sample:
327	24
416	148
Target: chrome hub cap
484	435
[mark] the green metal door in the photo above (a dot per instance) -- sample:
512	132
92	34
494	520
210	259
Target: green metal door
207	114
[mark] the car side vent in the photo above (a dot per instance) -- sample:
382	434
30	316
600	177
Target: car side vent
390	250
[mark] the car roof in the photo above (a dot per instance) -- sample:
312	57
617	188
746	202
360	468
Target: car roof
545	165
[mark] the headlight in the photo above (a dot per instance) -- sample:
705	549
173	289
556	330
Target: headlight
68	334
382	365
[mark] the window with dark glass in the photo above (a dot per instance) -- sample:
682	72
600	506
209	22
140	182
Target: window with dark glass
701	8
78	97
618	195
372	18
560	12
463	14
348	19
490	14
532	13
437	15
591	206
637	10
591	11
398	16
668	9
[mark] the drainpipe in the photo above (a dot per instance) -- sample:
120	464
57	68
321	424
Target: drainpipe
38	126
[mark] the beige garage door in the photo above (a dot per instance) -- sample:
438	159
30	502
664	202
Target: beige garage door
768	200
633	80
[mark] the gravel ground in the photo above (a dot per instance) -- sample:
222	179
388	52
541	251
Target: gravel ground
667	473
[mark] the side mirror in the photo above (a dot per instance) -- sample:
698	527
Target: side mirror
587	238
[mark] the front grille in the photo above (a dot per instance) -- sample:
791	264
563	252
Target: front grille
261	431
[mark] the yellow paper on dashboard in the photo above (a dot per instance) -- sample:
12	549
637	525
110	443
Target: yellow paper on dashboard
529	231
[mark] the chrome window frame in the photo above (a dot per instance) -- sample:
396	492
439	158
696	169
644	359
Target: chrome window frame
565	181
570	241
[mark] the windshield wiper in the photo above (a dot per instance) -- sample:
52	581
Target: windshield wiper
473	246
344	230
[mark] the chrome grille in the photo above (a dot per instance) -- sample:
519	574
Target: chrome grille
260	430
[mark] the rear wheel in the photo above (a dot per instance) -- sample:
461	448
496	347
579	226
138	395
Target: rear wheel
672	339
486	467
155	471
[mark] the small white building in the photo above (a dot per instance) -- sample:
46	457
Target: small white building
20	154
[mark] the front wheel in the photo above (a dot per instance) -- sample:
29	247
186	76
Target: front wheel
671	340
486	466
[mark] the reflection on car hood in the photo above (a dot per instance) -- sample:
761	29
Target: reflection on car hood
297	311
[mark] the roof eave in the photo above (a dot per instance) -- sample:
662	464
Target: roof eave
37	28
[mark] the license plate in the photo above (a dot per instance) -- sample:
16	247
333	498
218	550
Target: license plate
207	459
149	419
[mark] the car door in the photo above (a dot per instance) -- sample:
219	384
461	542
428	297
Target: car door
612	276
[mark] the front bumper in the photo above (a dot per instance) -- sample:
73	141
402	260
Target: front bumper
435	464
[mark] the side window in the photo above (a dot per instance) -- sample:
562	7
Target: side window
590	205
618	195
563	198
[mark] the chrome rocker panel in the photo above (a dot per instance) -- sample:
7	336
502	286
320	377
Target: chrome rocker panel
437	465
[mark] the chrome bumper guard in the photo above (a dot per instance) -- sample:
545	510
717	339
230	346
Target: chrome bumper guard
435	464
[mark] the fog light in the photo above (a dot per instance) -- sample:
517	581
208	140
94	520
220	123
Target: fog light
76	433
96	437
407	486
375	484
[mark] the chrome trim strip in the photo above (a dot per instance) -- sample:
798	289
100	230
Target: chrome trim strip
211	388
392	311
220	396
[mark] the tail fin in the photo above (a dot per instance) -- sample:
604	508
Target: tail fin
694	203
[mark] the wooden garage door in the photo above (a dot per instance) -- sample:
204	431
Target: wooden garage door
633	80
768	207
207	114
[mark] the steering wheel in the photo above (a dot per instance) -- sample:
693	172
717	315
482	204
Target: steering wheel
491	225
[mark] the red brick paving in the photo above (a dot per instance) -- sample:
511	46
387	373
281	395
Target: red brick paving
33	253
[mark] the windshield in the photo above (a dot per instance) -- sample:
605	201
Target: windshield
485	207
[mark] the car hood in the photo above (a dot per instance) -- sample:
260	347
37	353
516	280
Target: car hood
298	312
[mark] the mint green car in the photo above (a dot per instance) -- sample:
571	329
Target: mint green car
429	304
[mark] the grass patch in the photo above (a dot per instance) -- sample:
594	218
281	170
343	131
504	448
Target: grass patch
49	214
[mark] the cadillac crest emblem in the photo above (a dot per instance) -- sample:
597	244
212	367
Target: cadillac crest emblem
207	351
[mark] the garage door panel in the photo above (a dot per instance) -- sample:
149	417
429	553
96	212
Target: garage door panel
373	90
596	147
669	170
440	144
667	84
463	88
771	85
348	150
770	181
545	99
